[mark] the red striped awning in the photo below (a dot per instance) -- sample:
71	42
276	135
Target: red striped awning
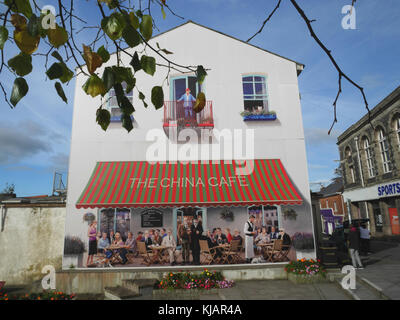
177	184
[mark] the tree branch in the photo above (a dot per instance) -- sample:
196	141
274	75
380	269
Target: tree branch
266	20
328	53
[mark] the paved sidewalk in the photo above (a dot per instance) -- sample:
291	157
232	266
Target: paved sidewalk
278	290
383	268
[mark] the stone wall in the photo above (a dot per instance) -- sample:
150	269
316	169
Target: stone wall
32	237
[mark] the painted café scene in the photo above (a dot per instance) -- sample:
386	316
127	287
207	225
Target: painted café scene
202	219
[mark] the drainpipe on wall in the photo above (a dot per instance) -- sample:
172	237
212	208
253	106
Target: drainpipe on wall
361	174
3	216
359	162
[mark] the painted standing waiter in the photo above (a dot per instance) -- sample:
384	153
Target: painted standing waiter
249	231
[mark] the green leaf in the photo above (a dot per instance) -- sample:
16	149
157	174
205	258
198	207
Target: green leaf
148	64
139	14
56	55
124	74
157	97
200	102
131	36
34	26
142	97
60	92
103	53
112	4
126	122
67	73
55	71
126	106
163	12
20	6
57	37
108	78
103	118
113	25
201	74
146	27
135	62
3	36
94	86
59	70
134	20
21	64
19	90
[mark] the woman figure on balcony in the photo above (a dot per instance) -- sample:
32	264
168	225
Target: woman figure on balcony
188	100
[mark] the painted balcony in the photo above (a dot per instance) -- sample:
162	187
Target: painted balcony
177	116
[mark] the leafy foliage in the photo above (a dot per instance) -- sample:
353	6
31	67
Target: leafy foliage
305	267
73	245
188	280
120	25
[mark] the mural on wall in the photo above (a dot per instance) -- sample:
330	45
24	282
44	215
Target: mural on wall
148	237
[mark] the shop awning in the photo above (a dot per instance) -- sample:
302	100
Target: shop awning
177	184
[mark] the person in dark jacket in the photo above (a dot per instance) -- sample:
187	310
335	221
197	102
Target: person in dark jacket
196	233
354	247
287	241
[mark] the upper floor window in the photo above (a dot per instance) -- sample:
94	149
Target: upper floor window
384	148
255	93
335	206
397	128
368	158
112	104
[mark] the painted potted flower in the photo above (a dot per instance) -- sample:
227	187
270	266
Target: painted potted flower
258	115
305	271
73	252
303	243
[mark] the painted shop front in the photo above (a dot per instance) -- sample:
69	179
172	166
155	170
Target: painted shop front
169	191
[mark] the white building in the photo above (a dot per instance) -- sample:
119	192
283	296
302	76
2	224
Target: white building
236	70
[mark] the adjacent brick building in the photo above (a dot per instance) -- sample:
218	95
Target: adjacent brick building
370	160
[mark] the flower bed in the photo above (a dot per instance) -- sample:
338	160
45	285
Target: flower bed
305	271
187	280
45	295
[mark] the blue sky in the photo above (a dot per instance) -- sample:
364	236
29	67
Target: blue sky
35	136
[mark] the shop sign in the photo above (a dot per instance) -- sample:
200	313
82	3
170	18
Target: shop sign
389	189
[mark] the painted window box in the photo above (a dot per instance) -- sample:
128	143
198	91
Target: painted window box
259	117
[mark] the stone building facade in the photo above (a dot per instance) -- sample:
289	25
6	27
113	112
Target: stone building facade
370	160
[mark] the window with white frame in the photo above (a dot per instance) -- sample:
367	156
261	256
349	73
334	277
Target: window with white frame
255	93
353	177
384	147
368	158
112	104
334	206
397	127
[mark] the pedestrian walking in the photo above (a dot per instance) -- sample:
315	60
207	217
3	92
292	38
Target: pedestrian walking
354	247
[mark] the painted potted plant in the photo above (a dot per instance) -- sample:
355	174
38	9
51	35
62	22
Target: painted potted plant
73	252
89	217
303	243
227	215
258	115
305	271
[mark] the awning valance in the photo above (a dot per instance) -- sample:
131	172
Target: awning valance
177	184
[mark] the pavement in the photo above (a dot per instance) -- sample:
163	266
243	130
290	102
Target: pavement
382	268
279	290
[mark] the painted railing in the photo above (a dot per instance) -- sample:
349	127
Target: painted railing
177	115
